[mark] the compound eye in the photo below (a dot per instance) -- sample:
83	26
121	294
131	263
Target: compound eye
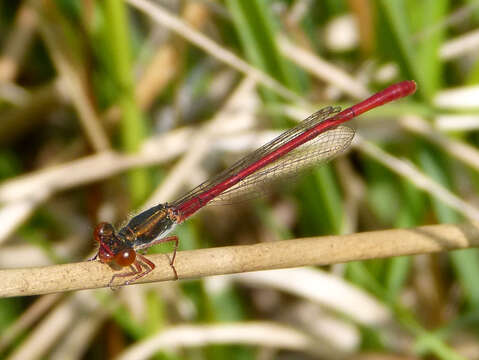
104	256
103	230
125	257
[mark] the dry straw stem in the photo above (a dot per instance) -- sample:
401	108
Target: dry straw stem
462	151
237	259
73	74
322	69
17	43
27	319
262	333
415	176
163	17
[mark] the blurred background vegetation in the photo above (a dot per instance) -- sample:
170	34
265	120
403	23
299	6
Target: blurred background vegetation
79	79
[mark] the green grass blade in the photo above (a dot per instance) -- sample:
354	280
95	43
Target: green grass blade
132	124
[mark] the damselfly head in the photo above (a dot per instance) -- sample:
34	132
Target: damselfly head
112	249
104	234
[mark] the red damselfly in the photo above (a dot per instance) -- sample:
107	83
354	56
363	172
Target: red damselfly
316	139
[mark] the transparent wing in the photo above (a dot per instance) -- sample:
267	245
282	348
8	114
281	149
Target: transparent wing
318	151
258	154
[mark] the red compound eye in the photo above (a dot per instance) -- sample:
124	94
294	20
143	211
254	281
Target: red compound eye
104	256
102	231
125	257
